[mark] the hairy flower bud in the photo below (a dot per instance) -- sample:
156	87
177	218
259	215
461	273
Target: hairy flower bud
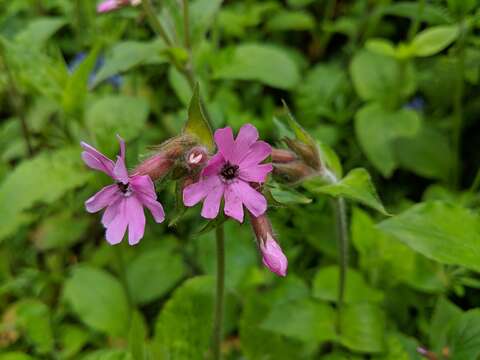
309	153
163	160
272	255
282	156
293	172
197	157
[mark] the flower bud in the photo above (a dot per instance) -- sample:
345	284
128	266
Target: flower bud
273	257
282	156
293	172
197	157
309	153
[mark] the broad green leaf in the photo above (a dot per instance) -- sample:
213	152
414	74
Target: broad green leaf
38	31
432	229
463	337
154	272
184	328
376	77
306	320
137	336
433	40
376	129
387	261
98	299
325	286
288	20
127	55
34	318
357	185
116	114
43	179
197	123
287	196
72	339
76	88
382	47
268	64
432	14
362	327
444	314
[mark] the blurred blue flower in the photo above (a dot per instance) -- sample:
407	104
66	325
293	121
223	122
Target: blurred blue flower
114	80
417	103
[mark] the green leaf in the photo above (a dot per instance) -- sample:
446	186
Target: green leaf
197	124
444	314
126	55
43	179
377	128
376	77
433	40
15	355
432	229
431	13
137	336
76	88
184	328
34	318
260	62
98	299
463	337
362	327
287	20
154	272
72	339
357	186
202	15
287	196
305	320
108	354
38	31
382	47
116	114
325	286
300	133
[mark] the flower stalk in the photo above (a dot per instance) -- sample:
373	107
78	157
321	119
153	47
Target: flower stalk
219	296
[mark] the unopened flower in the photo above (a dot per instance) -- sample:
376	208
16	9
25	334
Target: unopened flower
272	255
196	157
228	174
283	156
110	5
124	200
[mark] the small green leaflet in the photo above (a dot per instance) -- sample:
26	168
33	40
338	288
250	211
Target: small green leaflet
197	124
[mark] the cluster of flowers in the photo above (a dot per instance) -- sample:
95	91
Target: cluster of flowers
235	174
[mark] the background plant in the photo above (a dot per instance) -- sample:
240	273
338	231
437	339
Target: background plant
390	86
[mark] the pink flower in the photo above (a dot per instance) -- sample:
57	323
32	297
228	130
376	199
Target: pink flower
110	5
273	256
124	200
228	174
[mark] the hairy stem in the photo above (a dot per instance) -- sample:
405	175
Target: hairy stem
218	320
458	106
342	244
16	100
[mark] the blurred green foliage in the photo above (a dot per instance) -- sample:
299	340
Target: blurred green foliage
391	86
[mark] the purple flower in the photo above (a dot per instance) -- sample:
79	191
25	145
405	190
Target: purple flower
110	5
273	257
124	200
229	174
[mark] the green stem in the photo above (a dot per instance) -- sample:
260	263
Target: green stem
342	244
186	24
418	19
458	106
218	321
122	273
16	100
155	23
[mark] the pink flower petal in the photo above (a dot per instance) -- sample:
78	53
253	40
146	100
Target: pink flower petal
273	257
108	5
225	143
194	193
106	196
214	165
233	204
118	226
111	212
247	135
251	198
256	173
120	170
136	220
94	159
211	204
144	185
258	152
155	208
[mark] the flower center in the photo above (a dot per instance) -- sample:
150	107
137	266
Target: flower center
229	171
124	188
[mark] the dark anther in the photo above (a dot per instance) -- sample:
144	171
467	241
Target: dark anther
229	171
123	187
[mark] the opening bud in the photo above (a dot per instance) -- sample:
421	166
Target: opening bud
293	172
272	255
282	156
197	157
309	153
